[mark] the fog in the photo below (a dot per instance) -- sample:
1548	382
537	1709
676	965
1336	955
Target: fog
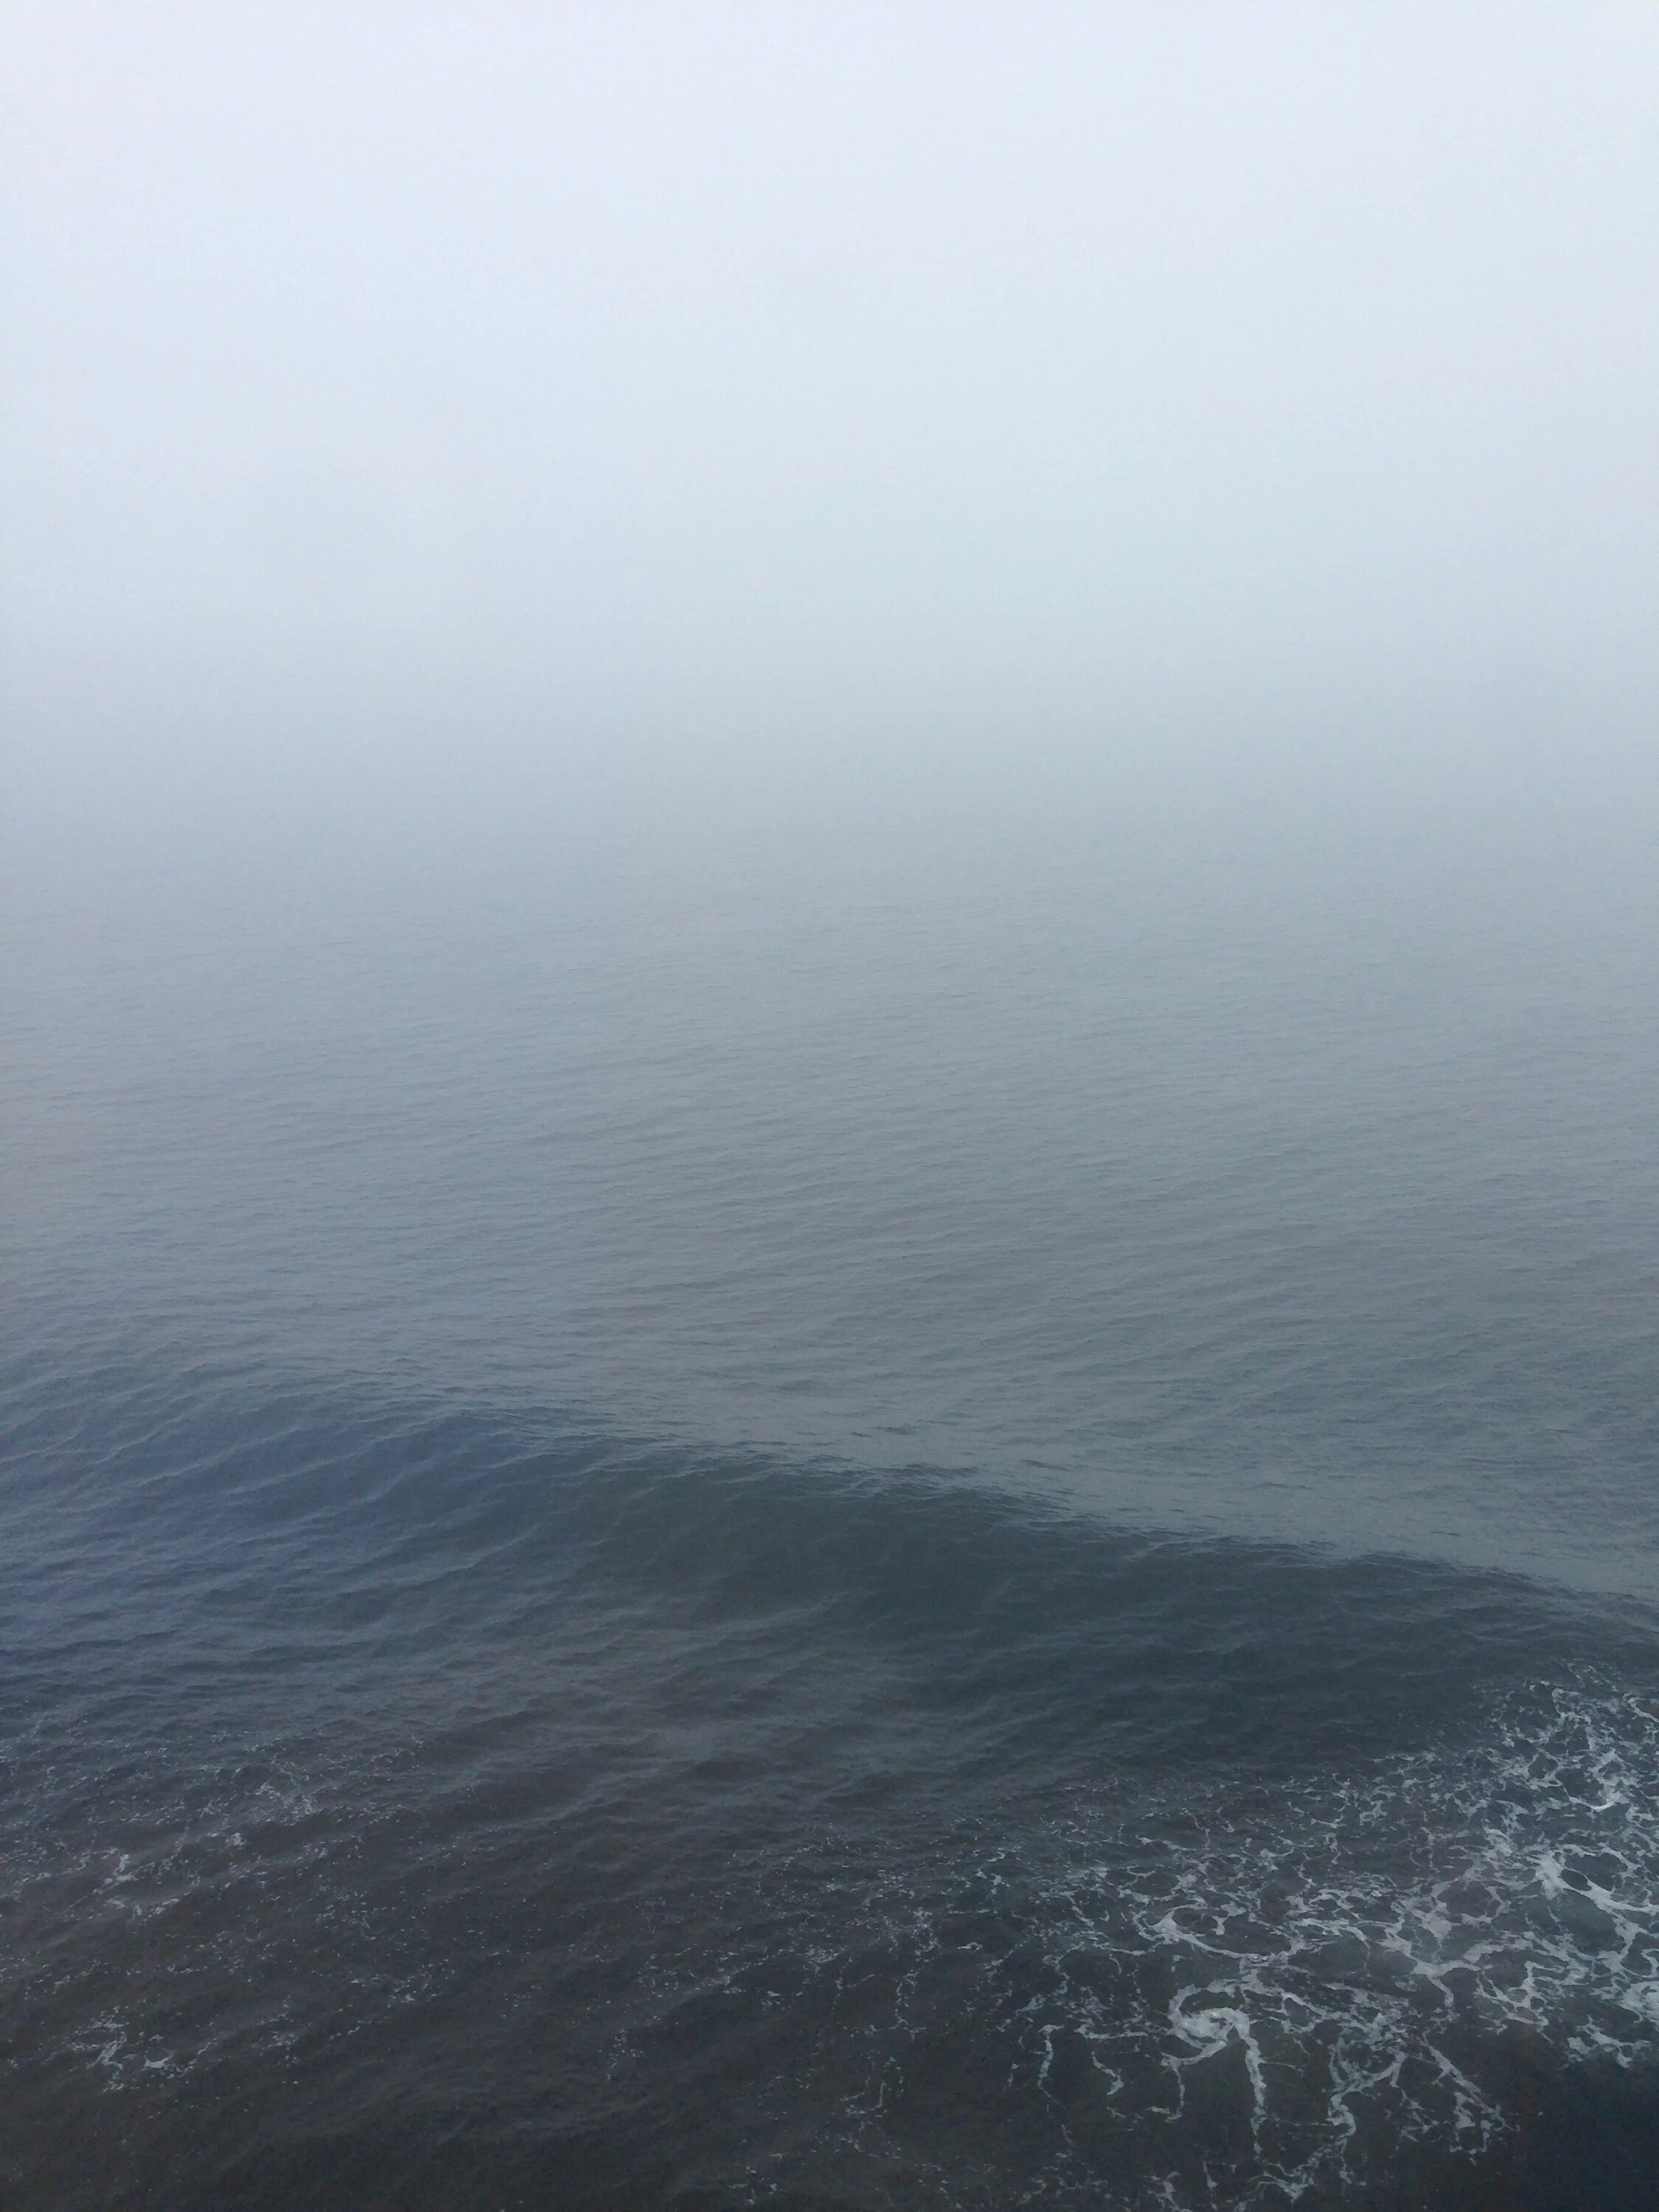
513	422
921	731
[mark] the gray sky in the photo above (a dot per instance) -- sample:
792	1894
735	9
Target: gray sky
518	376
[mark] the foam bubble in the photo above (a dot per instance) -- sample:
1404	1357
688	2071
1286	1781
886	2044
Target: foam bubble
1257	1996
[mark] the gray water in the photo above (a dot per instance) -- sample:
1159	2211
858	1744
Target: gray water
1288	1192
957	1517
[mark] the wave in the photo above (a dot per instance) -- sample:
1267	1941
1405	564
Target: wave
503	1805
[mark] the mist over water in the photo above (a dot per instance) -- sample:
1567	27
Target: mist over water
827	1141
1290	1178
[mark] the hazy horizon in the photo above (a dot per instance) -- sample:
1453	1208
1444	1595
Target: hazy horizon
428	418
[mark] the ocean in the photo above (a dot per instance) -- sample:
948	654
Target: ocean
971	1528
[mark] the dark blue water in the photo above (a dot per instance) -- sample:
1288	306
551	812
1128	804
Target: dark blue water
820	1539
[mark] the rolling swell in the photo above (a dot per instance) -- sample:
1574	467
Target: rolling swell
411	1806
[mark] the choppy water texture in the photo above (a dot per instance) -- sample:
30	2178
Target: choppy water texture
826	1551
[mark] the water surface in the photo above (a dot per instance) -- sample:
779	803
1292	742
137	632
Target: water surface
971	1532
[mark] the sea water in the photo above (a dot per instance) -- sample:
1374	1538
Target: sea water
974	1528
